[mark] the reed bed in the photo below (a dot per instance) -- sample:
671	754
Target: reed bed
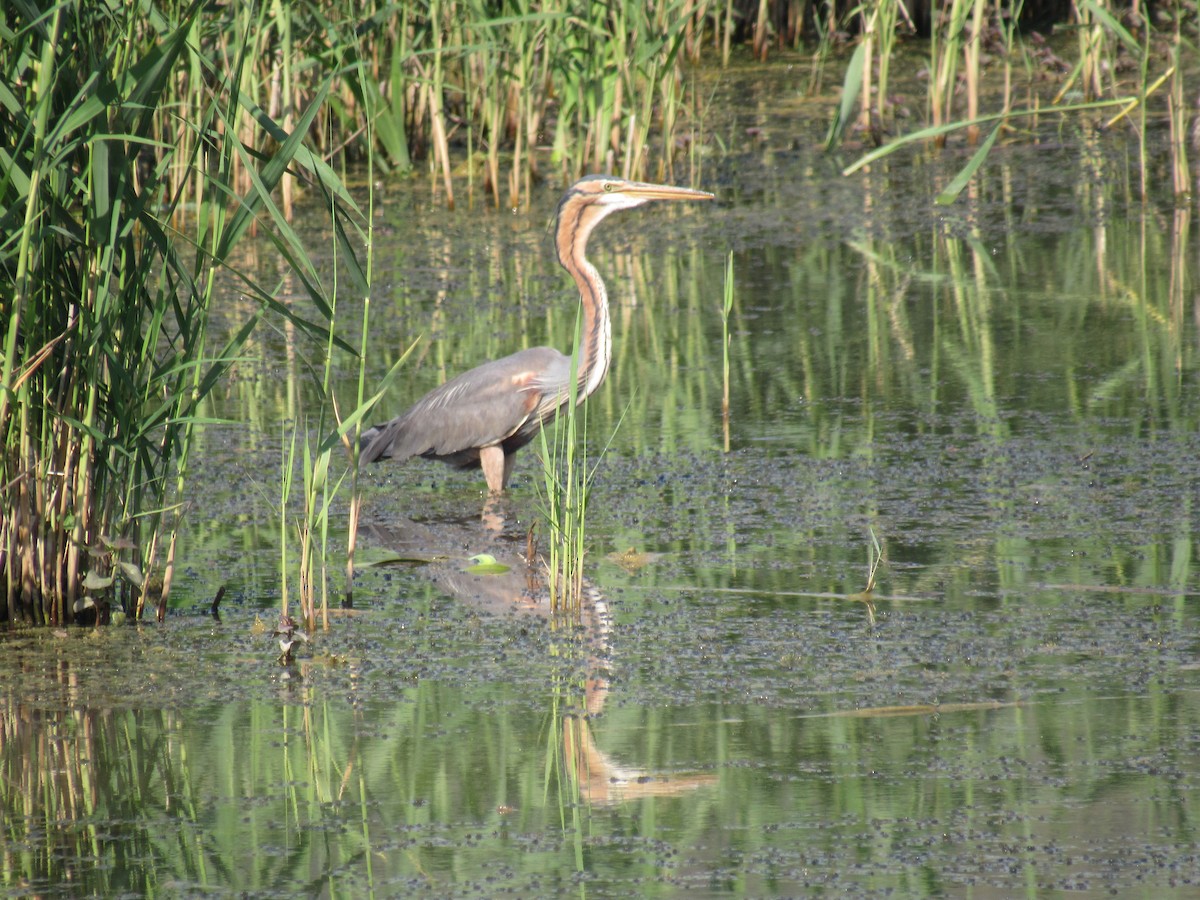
576	86
1124	52
107	356
561	88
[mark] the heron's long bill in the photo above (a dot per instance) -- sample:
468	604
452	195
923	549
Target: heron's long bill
659	191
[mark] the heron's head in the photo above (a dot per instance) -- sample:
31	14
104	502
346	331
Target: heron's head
593	197
616	193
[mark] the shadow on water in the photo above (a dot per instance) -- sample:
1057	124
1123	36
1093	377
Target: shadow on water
1006	393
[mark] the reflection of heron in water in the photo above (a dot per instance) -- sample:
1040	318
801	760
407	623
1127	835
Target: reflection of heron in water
443	550
511	583
484	416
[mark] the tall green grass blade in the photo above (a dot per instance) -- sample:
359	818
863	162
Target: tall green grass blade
104	347
926	134
851	88
266	180
359	413
956	185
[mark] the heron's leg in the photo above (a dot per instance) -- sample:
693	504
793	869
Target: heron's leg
510	460
495	467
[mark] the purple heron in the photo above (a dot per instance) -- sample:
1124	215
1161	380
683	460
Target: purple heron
484	416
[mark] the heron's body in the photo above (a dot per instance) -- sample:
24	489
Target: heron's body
483	416
500	404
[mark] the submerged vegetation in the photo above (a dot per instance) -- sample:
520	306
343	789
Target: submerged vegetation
140	146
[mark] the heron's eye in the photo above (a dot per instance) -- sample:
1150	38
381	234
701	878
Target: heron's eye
608	187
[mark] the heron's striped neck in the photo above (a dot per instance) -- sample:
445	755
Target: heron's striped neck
595	344
575	223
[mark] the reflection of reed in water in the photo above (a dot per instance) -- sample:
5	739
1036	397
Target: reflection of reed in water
514	583
75	781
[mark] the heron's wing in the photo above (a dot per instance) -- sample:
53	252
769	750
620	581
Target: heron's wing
479	408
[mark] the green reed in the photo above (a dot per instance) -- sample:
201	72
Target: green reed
885	21
412	79
107	353
364	280
852	86
945	42
865	82
874	560
287	478
726	309
962	33
1178	116
972	56
566	481
600	83
333	424
564	504
93	418
1006	23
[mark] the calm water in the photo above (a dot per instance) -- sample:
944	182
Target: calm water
1002	393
